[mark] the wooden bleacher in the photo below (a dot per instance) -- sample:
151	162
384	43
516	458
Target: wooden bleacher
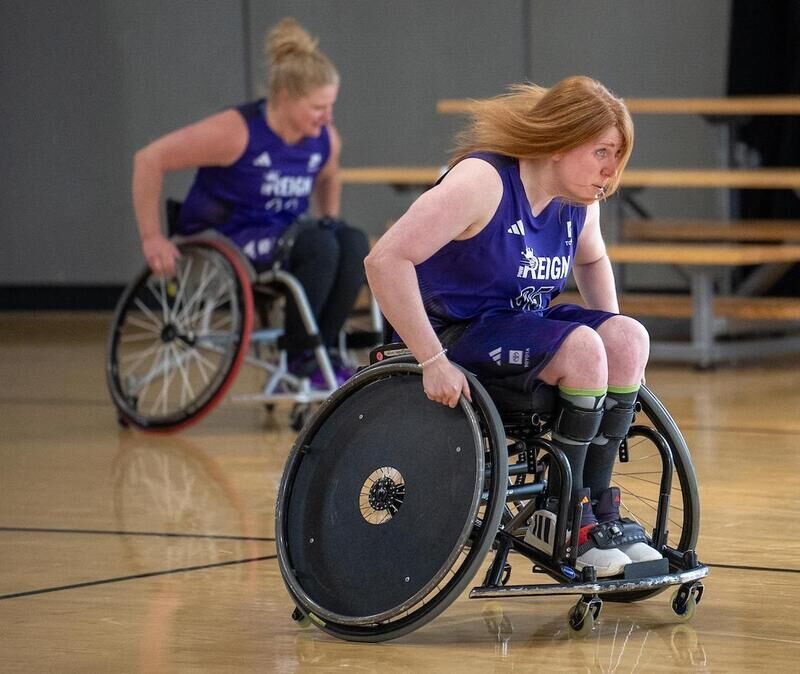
422	177
712	107
702	229
711	316
678	305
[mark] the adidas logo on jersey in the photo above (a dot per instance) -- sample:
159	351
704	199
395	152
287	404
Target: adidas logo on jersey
314	162
517	228
497	355
263	160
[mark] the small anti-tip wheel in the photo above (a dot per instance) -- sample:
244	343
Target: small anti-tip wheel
684	604
300	618
581	620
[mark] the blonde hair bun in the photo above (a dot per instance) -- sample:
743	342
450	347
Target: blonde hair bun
288	39
294	61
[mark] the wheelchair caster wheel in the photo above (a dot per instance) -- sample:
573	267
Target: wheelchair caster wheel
583	616
122	421
300	618
684	603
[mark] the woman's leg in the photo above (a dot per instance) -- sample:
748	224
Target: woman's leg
526	349
627	346
579	370
314	261
353	248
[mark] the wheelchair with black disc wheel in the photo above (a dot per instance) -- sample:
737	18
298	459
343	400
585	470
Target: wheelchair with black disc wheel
390	504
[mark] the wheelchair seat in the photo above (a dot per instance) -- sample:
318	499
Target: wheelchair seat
390	503
513	403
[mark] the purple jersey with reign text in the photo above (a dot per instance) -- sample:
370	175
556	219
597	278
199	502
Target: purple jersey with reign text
518	262
254	200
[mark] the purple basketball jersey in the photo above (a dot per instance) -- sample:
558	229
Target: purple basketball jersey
518	262
499	285
254	200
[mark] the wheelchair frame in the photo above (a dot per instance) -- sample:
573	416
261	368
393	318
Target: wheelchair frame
176	345
493	525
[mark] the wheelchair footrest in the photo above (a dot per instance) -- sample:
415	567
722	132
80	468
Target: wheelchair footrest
656	567
266	336
598	587
300	397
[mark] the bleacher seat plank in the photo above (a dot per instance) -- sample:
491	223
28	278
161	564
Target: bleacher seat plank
421	177
731	105
699	229
703	253
758	308
672	305
759	178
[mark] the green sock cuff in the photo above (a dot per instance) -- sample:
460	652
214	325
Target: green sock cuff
624	389
589	392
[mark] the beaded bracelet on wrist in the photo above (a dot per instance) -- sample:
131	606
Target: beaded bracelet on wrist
433	358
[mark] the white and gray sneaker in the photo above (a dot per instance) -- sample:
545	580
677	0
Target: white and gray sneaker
606	561
606	509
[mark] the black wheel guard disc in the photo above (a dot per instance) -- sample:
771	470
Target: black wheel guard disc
382	500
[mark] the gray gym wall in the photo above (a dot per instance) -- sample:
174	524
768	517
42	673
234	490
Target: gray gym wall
87	82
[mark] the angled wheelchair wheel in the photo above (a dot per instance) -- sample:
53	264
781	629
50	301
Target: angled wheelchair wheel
639	477
639	480
176	344
388	504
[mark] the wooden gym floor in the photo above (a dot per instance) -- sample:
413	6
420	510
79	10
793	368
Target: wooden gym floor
126	552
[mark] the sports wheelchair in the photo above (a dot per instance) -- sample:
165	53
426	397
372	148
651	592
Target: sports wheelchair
176	345
389	504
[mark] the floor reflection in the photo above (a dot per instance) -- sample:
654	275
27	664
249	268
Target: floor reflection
614	645
171	483
178	511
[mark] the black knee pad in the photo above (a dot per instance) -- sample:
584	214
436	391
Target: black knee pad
352	241
617	421
577	423
329	222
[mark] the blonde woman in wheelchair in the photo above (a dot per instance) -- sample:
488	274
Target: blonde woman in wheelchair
261	166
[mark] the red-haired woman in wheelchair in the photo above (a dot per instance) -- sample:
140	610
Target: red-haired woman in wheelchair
260	165
470	271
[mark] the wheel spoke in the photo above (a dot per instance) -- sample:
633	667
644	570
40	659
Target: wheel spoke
163	396
184	376
151	375
139	337
138	357
206	277
156	323
184	271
